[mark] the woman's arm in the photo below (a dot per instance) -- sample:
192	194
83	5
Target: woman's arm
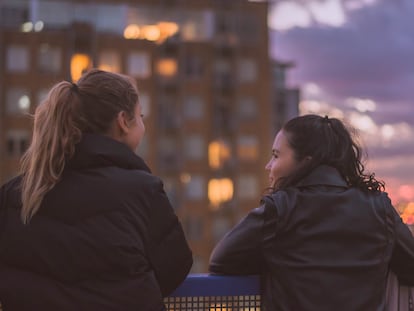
169	253
240	250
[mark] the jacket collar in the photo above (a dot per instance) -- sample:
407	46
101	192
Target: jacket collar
323	175
96	150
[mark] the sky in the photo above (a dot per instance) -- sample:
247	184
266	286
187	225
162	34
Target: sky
354	59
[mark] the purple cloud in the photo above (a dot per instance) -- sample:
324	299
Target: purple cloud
370	56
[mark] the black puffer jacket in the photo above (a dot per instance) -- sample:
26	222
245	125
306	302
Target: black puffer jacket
320	246
104	238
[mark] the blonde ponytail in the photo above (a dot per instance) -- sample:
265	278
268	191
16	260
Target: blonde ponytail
55	134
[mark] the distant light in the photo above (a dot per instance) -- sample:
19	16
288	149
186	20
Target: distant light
167	67
39	26
151	32
24	103
220	191
78	64
27	27
132	32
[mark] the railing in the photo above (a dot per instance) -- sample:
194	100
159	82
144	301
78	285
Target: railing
203	292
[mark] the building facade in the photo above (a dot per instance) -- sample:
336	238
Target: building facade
205	80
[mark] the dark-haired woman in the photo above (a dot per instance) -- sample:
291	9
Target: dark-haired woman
87	226
326	235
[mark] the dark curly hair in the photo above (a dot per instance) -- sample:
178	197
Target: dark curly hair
326	141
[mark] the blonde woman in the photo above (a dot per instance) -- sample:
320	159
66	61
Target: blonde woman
86	225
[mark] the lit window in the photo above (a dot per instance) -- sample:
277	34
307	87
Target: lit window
109	61
167	67
247	70
49	59
18	101
195	188
17	58
247	187
79	64
220	191
218	153
193	107
247	148
194	147
139	65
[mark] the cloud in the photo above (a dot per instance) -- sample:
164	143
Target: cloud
370	56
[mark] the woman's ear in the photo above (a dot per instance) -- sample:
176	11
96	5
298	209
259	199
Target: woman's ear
122	122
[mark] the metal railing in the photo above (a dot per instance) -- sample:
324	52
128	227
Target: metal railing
204	292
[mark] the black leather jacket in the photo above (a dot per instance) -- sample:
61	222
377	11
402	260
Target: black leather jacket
320	246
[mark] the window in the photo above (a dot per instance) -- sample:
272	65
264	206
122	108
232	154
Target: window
17	101
139	65
247	148
168	114
109	61
193	107
195	188
194	147
17	58
247	109
247	187
167	148
193	67
247	70
17	142
221	225
49	59
167	67
219	152
194	227
220	190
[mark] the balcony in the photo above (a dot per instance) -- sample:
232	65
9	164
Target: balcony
216	293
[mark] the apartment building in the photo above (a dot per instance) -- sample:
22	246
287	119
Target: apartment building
205	80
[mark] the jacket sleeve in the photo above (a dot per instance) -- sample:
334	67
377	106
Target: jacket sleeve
402	259
169	253
239	252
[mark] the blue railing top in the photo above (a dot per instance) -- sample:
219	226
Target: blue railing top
218	285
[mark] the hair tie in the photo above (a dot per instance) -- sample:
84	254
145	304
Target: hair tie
74	87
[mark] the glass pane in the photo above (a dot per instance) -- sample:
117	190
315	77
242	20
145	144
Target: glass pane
49	59
17	58
139	65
